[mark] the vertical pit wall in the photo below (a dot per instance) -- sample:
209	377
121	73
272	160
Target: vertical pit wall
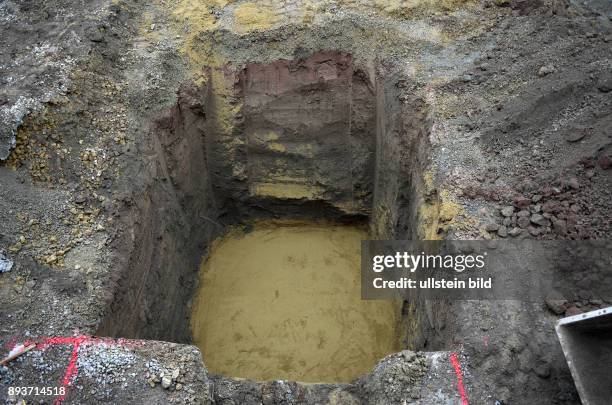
321	137
300	140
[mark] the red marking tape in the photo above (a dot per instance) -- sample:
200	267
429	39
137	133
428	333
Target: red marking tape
72	369
457	366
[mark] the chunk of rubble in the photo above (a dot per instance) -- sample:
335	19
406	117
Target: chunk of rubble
5	263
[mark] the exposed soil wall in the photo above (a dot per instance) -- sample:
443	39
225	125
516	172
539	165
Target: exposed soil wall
295	136
171	221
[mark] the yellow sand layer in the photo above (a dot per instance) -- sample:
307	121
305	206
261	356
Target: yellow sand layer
283	302
285	190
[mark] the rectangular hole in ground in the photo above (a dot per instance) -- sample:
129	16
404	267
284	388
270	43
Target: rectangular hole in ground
314	139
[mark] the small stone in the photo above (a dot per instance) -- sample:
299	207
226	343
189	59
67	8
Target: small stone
523	213
551	207
502	232
523	222
604	160
572	183
166	382
542	370
536	198
546	70
491	227
556	306
559	226
605	85
514	232
507	211
539	220
176	373
179	387
521	202
533	231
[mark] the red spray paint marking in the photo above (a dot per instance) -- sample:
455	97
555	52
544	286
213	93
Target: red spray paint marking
11	343
72	368
457	366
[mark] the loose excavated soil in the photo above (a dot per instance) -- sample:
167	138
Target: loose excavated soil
284	301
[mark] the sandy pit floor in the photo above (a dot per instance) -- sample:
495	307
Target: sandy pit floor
283	301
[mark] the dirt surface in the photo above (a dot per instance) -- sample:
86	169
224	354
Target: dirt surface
125	138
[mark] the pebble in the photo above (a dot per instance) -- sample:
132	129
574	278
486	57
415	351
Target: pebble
533	231
605	161
502	231
605	85
515	232
556	306
521	202
546	70
539	220
542	370
166	382
559	226
491	227
523	222
572	183
507	211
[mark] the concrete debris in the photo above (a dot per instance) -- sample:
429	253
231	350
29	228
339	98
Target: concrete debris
166	382
5	263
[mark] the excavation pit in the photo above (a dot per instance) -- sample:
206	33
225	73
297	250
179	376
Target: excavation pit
322	140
